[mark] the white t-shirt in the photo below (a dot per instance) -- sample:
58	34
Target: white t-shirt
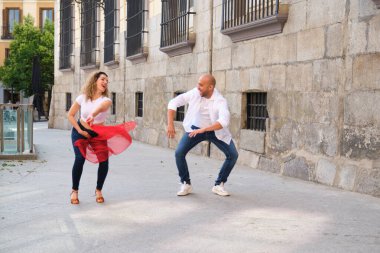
87	106
202	118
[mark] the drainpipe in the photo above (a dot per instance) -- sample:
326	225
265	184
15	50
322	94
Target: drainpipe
210	55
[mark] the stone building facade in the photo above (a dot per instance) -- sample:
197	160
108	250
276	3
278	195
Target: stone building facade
315	65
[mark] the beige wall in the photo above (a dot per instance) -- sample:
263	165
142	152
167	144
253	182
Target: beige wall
321	75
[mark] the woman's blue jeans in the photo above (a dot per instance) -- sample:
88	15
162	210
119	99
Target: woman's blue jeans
187	143
79	162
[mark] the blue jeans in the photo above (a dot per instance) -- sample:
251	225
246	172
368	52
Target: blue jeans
79	162
187	143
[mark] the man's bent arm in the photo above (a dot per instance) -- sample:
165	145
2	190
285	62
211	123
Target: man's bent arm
171	129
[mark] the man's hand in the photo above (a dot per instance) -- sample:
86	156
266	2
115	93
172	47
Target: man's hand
171	131
197	131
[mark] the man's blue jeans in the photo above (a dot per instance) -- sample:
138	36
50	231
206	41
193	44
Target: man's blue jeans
187	143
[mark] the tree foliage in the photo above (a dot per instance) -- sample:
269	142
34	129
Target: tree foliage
29	41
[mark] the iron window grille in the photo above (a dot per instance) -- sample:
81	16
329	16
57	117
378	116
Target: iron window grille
111	29
175	24
89	35
66	34
240	12
257	111
11	16
139	104
180	113
113	98
68	101
136	15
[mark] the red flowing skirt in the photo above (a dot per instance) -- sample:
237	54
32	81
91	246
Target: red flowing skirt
111	140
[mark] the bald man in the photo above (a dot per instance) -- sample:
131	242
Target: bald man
207	118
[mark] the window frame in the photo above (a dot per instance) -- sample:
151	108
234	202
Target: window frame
41	16
253	19
177	28
136	36
69	101
66	34
111	32
180	112
139	100
7	33
256	113
89	40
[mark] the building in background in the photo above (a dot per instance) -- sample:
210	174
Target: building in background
12	12
301	77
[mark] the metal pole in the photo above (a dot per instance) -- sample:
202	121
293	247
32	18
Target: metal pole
18	130
1	130
22	123
30	127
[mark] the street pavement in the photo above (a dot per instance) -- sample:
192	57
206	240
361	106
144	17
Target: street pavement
141	213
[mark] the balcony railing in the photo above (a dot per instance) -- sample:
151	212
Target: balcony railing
6	33
176	35
16	131
249	19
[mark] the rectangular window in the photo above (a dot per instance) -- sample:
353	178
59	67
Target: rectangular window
7	52
66	34
256	111
239	12
113	98
111	29
175	22
46	14
68	101
136	14
139	104
180	113
11	17
89	36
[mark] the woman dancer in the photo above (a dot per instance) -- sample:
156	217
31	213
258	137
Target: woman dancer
91	139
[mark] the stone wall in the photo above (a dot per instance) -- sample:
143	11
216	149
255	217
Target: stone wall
322	76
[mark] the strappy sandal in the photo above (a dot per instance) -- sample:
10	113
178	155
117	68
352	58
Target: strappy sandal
99	199
76	200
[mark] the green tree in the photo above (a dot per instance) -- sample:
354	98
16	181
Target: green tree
29	41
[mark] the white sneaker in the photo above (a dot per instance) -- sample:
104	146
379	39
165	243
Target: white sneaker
219	189
185	189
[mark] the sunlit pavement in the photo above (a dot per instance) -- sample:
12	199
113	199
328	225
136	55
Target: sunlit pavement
265	212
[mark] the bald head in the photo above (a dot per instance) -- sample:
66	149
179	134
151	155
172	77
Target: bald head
206	85
208	79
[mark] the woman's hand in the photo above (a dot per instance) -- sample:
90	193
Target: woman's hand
84	133
90	120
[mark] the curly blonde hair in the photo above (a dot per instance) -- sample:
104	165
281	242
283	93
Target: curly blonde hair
89	88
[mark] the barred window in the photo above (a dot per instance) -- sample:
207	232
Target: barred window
247	19
113	98
46	14
11	17
256	110
66	33
139	104
175	25
136	15
89	36
111	29
180	113
68	101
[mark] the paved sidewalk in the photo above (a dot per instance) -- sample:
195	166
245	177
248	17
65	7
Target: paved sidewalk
265	212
